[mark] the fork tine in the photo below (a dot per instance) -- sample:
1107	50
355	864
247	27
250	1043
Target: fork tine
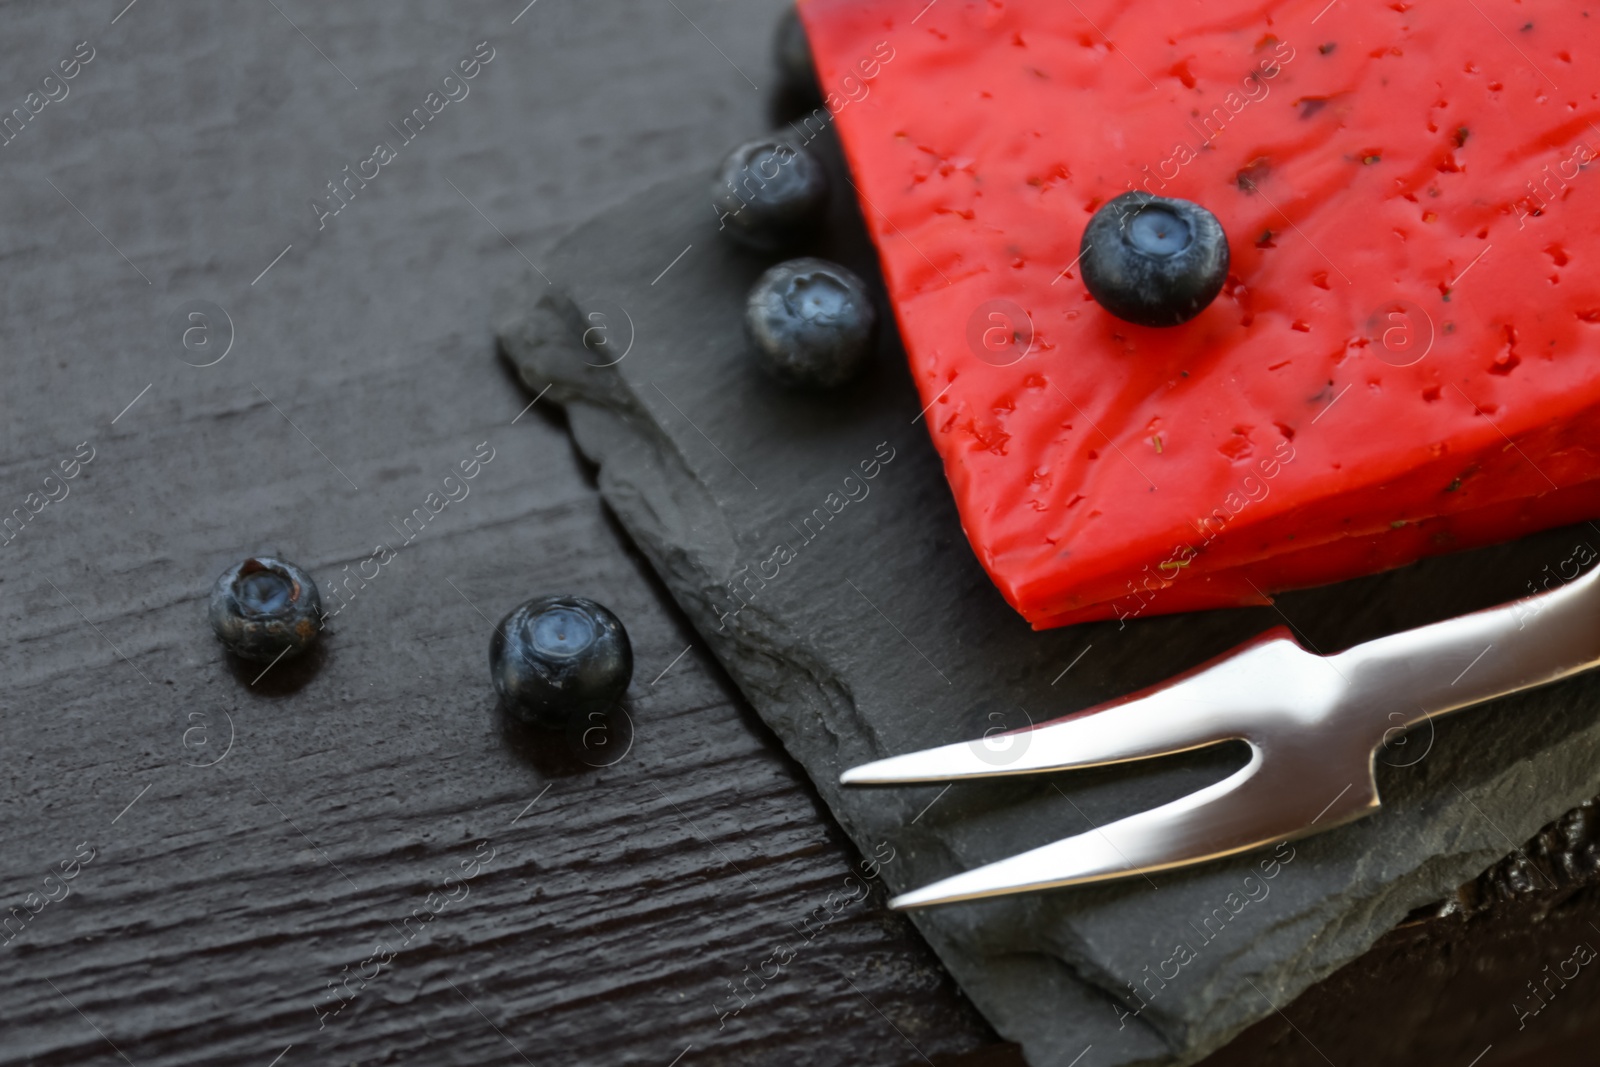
1219	701
1255	806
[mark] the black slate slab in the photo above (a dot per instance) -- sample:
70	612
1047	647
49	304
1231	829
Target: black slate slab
813	541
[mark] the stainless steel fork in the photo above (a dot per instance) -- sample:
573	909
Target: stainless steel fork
1314	725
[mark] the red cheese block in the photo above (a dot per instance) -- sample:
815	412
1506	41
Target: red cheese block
1402	361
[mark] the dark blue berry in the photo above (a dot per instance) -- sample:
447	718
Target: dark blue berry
1154	261
263	609
560	656
769	195
811	321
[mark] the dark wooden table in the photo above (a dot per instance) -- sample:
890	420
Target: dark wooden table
257	843
356	859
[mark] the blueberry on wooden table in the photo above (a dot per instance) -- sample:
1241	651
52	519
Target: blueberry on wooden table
560	656
263	609
811	322
1154	261
769	195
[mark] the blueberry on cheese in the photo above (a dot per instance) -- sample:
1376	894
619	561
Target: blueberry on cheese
1154	260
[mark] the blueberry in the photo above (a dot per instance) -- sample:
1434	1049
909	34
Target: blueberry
262	609
811	322
1154	261
768	195
797	72
560	656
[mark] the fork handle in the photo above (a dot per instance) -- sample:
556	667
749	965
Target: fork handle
1472	658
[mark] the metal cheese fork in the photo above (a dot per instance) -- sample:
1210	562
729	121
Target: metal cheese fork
1314	725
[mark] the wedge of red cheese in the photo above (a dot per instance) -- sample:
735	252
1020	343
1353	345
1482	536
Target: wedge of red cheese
1405	359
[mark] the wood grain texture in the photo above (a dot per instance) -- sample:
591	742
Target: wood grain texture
221	901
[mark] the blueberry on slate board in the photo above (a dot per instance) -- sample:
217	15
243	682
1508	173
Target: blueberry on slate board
811	322
769	194
1154	261
559	656
263	608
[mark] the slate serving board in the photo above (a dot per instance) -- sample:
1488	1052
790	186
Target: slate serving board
813	542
